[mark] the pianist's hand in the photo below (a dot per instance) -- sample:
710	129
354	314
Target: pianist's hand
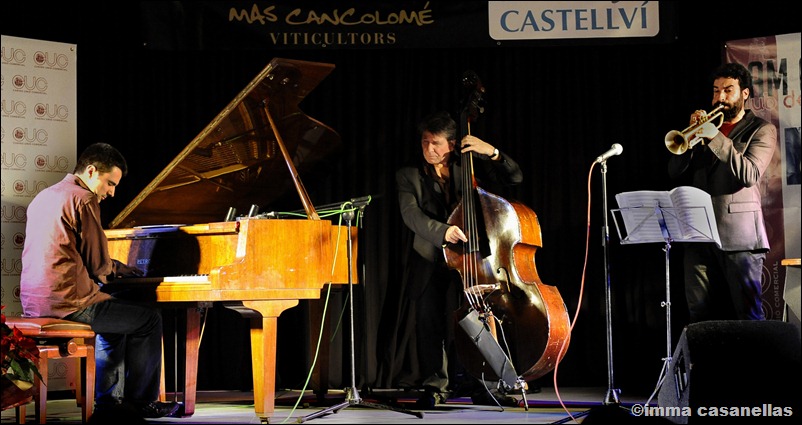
124	270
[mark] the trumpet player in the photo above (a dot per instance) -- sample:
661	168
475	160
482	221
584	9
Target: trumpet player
725	283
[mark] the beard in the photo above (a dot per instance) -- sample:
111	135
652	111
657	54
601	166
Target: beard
732	110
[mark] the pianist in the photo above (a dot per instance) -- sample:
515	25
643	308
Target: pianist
64	259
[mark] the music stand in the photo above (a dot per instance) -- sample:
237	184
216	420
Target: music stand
656	223
352	397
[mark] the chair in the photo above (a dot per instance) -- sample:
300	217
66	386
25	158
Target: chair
58	339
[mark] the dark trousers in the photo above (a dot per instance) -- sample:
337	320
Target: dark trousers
434	328
127	350
723	285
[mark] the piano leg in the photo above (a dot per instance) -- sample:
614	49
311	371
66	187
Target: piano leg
320	373
263	350
191	365
192	346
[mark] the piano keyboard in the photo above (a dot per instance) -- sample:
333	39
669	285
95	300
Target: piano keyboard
135	280
178	284
195	278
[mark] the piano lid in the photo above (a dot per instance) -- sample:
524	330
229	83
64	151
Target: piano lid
236	161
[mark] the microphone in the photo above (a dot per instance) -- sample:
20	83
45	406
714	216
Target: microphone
616	149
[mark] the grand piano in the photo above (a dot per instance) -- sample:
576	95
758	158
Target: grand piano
183	232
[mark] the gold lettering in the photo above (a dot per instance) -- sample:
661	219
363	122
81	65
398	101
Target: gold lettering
256	15
350	17
325	39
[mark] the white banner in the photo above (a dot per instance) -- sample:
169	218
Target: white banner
39	139
543	20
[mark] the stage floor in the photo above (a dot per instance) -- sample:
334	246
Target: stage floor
216	407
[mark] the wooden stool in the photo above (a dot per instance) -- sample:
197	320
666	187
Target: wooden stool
58	339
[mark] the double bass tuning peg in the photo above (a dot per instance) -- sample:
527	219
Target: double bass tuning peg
474	90
471	81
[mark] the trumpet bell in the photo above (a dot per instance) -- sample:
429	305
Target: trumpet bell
680	141
676	142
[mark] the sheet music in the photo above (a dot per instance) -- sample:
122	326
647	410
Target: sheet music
687	212
157	228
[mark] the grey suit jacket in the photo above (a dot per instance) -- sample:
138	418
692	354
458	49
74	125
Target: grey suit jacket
730	169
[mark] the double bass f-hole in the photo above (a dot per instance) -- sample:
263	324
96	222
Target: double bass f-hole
482	290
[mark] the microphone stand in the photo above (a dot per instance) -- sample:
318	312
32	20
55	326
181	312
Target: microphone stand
611	397
611	406
352	394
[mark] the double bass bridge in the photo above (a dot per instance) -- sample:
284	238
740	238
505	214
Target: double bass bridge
482	289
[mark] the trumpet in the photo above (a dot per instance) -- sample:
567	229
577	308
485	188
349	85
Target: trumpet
680	141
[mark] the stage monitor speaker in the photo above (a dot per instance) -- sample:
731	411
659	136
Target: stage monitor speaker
723	367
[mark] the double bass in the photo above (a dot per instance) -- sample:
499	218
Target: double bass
516	328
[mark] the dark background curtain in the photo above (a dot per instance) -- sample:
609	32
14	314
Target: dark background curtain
552	108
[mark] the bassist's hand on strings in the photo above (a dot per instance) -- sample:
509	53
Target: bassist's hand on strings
454	234
474	144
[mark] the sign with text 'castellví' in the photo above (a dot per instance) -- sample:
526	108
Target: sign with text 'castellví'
539	20
348	24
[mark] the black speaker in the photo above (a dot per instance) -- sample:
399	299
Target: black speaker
722	369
